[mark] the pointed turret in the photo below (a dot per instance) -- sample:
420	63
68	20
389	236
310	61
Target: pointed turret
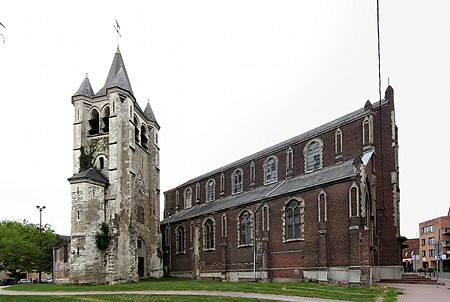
148	112
85	88
117	76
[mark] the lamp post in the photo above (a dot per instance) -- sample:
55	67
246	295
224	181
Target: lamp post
40	237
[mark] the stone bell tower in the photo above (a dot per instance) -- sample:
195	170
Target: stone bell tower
116	181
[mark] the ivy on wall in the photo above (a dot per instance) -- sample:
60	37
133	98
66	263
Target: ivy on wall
103	237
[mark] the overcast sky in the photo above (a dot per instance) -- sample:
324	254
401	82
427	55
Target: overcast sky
225	79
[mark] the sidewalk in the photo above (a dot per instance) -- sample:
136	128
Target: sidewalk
422	292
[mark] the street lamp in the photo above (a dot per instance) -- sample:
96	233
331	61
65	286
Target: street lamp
40	237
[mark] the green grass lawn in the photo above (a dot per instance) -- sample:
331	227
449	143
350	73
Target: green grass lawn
304	289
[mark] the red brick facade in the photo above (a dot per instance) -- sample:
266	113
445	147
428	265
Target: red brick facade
328	212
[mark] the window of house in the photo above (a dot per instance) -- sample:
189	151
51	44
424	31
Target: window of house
252	172
338	141
105	120
353	202
424	253
209	233
367	131
140	214
423	241
197	192
270	170
211	190
224	225
237	181
181	240
187	198
432	253
144	139
94	120
428	229
265	218
293	220
136	130
322	206
245	228
222	182
289	161
313	156
431	240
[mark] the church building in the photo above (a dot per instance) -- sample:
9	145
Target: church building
115	187
323	205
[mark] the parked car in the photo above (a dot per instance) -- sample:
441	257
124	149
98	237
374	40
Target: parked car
9	281
24	281
43	280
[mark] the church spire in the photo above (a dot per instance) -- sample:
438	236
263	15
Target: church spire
117	76
85	88
148	112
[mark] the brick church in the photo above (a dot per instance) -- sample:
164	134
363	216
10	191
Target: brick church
323	205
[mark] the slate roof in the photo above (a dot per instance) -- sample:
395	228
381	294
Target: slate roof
148	112
85	88
117	76
302	137
320	177
90	173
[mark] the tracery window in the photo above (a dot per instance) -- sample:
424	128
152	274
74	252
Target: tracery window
271	170
187	198
180	240
338	141
313	156
367	131
353	201
209	234
237	181
245	225
293	220
140	214
211	190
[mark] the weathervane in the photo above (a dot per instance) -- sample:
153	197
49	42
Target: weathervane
117	27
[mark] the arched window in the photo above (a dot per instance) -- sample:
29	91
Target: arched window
105	120
245	226
367	131
353	201
187	198
252	172
144	138
180	240
289	161
224	225
197	192
210	190
313	156
265	218
293	220
222	183
322	206
177	198
136	130
237	181
140	214
94	120
270	170
209	234
338	142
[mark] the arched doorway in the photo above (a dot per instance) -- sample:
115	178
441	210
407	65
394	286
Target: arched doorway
142	257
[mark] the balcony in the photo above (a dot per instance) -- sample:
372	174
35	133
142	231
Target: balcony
446	243
446	231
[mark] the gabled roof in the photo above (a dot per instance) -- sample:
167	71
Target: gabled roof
148	112
91	174
298	184
85	88
117	76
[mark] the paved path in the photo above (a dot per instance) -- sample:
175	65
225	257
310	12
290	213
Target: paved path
421	292
176	293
